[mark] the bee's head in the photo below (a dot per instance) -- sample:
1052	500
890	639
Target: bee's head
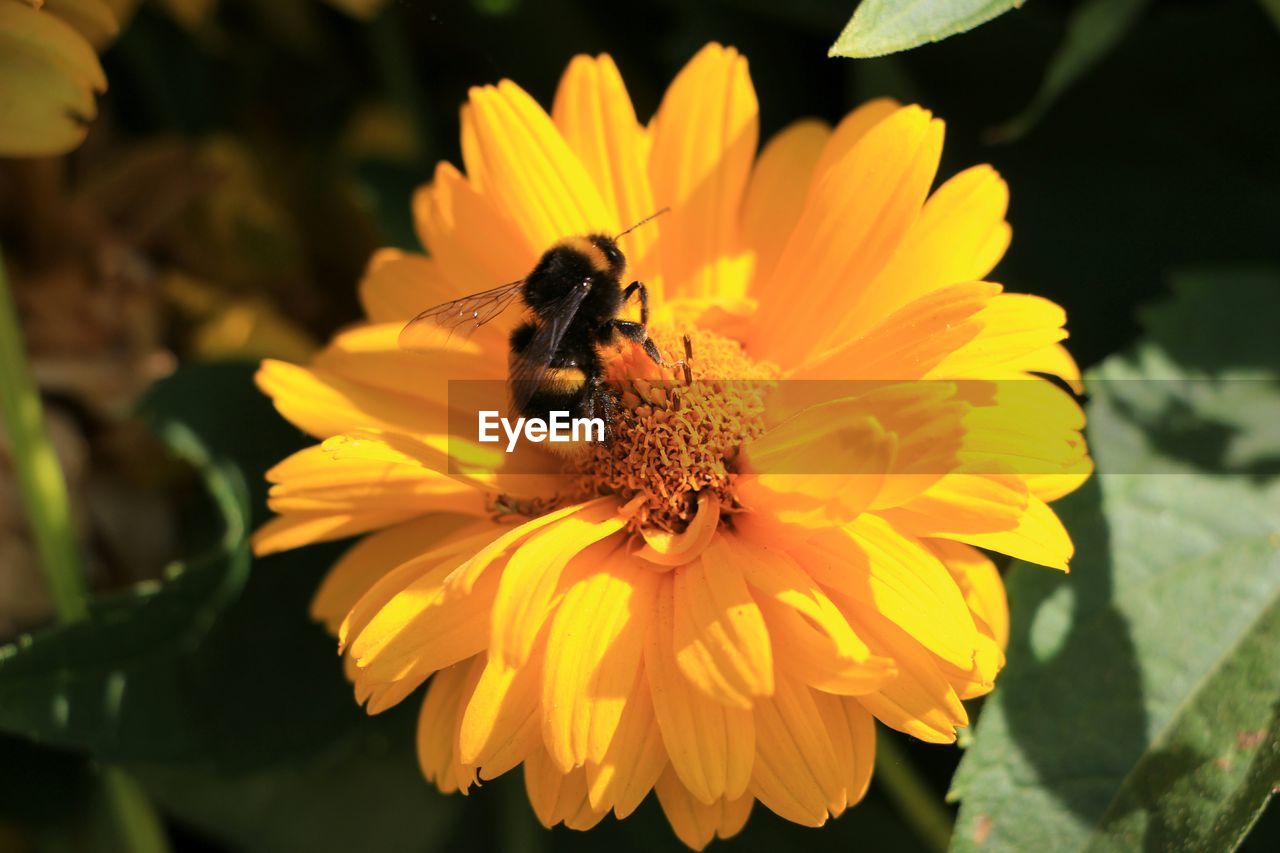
612	254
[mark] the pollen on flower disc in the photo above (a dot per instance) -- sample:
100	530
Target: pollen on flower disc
675	438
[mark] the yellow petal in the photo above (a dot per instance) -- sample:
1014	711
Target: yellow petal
373	356
663	548
1050	487
594	114
959	237
778	188
1056	361
593	656
726	316
922	421
537	181
368	560
421	629
909	343
50	74
93	19
558	797
871	562
472	156
980	582
1038	538
630	767
819	468
500	725
474	244
849	131
441	459
451	551
720	639
796	774
462	581
531	577
980	678
438	727
927	419
313	480
809	655
1016	328
322	495
287	532
397	286
983	591
697	823
323	403
710	744
704	141
1033	428
963	502
853	739
919	701
316	467
853	222
812	641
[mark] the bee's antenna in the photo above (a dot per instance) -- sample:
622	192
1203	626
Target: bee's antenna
649	218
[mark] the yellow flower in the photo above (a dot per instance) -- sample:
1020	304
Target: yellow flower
693	609
49	73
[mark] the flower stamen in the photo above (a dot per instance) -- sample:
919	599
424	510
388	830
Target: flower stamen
674	440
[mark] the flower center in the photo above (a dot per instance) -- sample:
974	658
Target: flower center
677	435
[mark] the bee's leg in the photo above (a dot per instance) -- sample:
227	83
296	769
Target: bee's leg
636	332
608	406
598	402
638	287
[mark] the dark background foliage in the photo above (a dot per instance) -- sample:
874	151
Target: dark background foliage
1163	157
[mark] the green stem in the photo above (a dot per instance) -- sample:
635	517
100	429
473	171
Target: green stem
44	494
138	827
918	804
43	488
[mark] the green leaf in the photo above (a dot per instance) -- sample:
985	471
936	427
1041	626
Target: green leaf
1095	28
1141	704
1210	774
1204	394
91	684
53	789
363	791
219	664
1273	9
888	26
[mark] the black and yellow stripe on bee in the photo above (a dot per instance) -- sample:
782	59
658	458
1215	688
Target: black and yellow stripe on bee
593	253
558	381
563	380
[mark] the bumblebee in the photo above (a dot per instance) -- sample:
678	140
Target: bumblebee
574	296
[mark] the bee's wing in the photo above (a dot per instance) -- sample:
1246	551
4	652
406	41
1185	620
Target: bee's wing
529	368
466	314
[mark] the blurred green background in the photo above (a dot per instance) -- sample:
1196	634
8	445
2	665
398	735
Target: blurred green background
248	164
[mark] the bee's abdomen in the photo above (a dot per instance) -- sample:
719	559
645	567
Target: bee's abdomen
563	380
